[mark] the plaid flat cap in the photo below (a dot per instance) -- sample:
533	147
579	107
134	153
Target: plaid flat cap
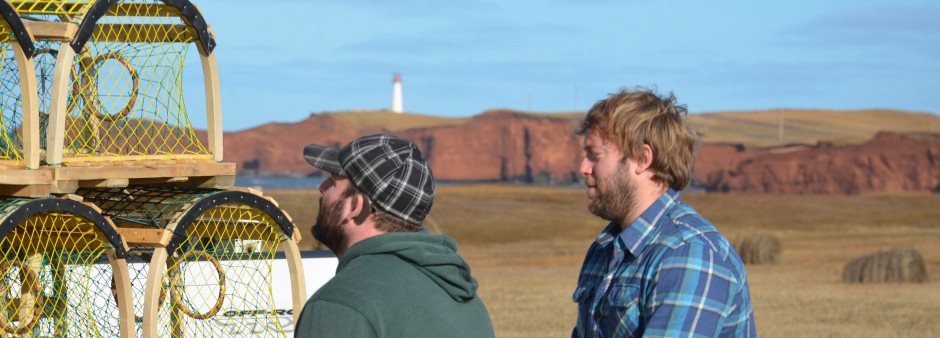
388	169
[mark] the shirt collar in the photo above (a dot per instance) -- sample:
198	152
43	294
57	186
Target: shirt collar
639	233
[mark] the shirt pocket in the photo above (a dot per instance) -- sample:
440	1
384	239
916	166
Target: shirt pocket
623	304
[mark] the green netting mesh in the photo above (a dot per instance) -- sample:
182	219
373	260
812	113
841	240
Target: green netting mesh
143	206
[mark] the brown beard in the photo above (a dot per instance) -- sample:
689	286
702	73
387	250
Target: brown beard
614	196
328	229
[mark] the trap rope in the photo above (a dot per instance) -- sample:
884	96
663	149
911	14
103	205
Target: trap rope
177	283
29	282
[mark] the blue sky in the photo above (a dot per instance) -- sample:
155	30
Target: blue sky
282	60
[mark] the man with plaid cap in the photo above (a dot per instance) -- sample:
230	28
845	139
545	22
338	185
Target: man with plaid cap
394	279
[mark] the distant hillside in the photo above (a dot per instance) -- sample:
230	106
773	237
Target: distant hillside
741	151
762	128
391	121
759	129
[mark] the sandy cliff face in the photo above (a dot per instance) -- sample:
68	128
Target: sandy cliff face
508	146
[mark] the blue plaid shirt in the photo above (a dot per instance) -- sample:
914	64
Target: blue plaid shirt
669	274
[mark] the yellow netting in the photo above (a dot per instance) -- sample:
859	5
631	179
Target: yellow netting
221	273
51	7
55	279
127	95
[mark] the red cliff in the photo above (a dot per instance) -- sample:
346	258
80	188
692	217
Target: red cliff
508	146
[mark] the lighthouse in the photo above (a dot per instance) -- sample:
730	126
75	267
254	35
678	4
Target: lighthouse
397	105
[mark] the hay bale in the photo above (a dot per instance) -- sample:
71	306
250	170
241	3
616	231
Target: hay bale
760	248
889	266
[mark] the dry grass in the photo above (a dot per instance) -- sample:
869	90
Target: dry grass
761	128
392	121
525	245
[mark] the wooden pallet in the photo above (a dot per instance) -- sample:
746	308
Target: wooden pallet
65	180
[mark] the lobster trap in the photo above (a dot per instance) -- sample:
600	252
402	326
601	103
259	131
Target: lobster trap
117	217
55	256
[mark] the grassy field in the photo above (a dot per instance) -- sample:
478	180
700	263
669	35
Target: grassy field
762	128
392	121
525	245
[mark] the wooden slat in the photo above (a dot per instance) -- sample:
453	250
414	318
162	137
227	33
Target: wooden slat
65	180
55	132
140	160
218	182
143	33
180	170
146	237
25	176
158	180
57	31
295	267
35	190
30	104
104	183
210	73
152	293
125	294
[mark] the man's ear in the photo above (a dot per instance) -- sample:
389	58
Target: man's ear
362	209
645	160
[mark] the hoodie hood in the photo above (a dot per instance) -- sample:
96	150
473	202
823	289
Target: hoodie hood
434	255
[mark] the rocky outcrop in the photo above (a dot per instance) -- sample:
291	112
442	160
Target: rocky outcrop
508	146
502	146
277	148
889	162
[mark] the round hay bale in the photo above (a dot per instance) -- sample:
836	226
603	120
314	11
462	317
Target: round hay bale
759	248
904	265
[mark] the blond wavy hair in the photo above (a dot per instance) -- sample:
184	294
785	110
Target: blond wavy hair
632	118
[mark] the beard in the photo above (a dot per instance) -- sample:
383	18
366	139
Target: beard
328	230
614	197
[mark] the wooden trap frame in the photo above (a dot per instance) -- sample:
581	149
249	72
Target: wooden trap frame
108	192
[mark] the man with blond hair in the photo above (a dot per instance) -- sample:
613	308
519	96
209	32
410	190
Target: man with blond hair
659	268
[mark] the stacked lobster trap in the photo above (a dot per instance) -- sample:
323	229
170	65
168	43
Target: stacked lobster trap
118	219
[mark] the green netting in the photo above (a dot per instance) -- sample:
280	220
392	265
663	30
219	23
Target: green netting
143	206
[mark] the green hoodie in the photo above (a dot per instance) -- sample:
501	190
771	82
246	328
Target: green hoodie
398	285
